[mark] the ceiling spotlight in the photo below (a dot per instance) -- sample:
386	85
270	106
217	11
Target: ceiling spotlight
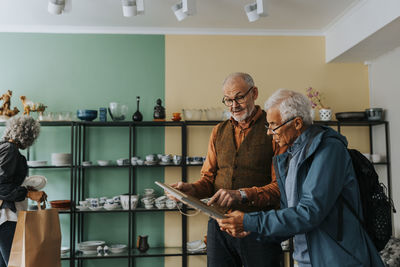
132	7
184	8
56	7
255	10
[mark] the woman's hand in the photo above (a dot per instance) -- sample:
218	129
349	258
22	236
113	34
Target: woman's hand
233	225
38	196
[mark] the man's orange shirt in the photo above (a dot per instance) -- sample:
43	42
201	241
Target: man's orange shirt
267	195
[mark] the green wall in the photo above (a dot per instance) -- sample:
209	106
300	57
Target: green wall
69	72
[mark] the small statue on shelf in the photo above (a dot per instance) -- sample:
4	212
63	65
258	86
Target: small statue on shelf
159	111
29	106
5	109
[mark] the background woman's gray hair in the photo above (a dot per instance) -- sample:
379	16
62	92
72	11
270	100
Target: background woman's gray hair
23	130
290	104
246	77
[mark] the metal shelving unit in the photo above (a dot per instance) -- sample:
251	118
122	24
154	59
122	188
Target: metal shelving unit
78	190
77	178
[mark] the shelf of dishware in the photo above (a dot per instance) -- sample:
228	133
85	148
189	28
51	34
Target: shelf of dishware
152	252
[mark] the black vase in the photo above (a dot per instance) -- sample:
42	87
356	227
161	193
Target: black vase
137	116
142	243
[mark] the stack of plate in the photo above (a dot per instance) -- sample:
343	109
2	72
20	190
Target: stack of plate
37	182
37	163
64	250
61	159
196	246
90	247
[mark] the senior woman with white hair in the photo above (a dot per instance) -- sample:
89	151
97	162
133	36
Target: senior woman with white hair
20	133
313	176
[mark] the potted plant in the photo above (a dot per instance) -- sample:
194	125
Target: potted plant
325	113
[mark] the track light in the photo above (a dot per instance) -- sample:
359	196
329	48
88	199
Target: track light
255	10
58	7
184	8
132	7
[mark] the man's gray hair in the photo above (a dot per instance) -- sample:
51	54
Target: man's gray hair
245	77
23	130
290	104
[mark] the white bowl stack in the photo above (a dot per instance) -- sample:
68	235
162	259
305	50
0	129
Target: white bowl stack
61	159
90	247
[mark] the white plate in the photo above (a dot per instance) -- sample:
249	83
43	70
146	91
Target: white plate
95	208
64	250
195	245
38	182
37	163
82	208
111	207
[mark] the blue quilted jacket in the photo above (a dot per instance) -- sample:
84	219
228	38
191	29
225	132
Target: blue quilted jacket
325	174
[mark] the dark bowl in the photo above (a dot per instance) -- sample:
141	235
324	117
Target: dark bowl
86	114
350	116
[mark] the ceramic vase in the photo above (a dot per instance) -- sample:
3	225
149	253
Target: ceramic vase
137	116
325	114
142	243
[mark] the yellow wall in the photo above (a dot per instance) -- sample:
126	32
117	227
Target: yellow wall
196	66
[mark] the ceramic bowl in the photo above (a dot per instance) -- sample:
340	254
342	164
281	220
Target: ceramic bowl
87	163
86	114
104	162
111	206
122	162
192	114
151	157
214	114
118	248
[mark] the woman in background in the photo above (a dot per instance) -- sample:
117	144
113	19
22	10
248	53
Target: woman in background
20	133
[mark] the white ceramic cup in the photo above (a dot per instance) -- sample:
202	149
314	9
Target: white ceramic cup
148	191
376	158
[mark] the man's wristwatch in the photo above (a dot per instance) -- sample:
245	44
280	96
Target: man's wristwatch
244	196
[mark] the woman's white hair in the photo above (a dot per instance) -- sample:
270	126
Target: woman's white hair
23	130
290	104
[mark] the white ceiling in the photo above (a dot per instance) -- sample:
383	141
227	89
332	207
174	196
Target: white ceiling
302	17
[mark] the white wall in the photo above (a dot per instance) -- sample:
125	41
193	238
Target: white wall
360	22
384	75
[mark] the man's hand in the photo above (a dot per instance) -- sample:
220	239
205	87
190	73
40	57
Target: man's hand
39	196
225	198
233	225
186	188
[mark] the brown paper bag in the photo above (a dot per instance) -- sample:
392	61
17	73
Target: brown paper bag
37	240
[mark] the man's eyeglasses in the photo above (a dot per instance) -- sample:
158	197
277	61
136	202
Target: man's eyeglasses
239	99
276	128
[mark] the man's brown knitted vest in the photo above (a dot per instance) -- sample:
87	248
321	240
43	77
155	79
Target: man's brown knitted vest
250	165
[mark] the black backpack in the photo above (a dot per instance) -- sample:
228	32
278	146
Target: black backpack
376	205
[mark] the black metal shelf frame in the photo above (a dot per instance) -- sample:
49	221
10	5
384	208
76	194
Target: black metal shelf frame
77	177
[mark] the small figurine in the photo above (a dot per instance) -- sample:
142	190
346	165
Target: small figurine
159	111
5	109
137	116
29	106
